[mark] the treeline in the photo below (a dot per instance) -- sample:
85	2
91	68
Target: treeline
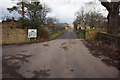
92	17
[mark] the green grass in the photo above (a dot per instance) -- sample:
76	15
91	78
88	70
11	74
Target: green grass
80	34
119	34
56	34
91	30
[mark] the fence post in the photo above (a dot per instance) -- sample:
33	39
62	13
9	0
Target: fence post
118	44
84	33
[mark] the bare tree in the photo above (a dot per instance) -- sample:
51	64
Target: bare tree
44	12
20	5
91	18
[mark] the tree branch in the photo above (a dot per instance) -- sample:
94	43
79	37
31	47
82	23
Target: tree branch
105	3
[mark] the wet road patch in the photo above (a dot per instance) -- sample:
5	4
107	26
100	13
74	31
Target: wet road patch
12	63
63	43
72	42
45	44
71	70
65	47
42	73
24	51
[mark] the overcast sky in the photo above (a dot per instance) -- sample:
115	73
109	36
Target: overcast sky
64	10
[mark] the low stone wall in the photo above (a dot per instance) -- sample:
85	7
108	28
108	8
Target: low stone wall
12	36
89	34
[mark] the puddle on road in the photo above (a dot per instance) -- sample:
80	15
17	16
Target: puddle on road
10	70
24	51
13	63
45	44
71	70
72	42
63	43
20	57
41	73
65	47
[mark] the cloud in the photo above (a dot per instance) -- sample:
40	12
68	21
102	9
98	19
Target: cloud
65	13
4	4
64	10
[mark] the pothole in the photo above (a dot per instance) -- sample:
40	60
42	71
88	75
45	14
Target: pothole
45	44
42	73
63	43
12	63
65	47
71	70
72	42
24	51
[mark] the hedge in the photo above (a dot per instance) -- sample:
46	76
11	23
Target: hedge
108	38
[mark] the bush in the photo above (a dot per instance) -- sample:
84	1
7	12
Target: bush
80	33
108	39
28	24
43	33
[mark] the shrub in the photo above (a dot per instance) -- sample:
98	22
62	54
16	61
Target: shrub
43	33
108	39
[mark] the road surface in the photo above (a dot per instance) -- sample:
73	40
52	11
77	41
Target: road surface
65	57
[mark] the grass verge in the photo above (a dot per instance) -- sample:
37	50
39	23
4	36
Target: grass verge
53	36
119	34
80	34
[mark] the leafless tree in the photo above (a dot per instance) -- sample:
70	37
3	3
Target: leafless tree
90	18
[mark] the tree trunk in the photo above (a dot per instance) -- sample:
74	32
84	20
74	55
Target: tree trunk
113	21
113	9
75	27
22	10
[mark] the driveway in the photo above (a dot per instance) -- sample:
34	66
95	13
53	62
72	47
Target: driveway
65	57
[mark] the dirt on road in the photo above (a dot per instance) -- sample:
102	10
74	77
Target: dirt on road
65	57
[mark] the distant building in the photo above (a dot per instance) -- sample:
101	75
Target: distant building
71	25
80	26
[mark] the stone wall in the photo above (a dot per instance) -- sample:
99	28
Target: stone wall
11	34
91	34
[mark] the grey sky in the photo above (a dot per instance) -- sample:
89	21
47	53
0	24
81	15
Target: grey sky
64	10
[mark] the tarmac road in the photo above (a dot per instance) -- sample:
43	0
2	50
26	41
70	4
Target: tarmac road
65	57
